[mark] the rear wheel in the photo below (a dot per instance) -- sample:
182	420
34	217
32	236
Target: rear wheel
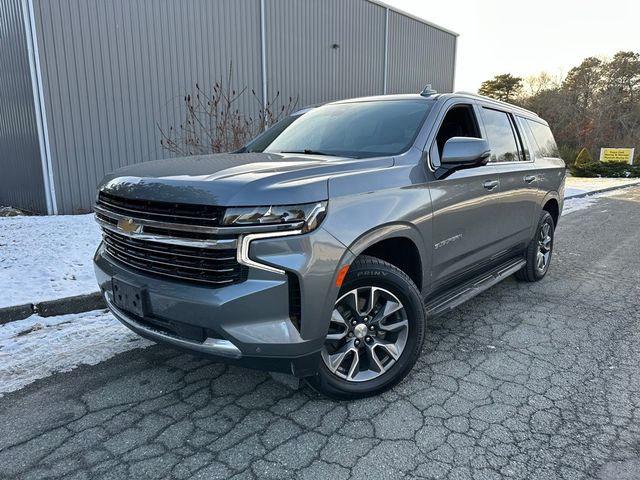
538	254
375	333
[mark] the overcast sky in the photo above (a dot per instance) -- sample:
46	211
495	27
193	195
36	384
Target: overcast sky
525	38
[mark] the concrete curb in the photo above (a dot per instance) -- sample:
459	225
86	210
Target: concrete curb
17	312
602	190
51	308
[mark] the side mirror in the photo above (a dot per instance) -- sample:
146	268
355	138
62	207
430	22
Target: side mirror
462	152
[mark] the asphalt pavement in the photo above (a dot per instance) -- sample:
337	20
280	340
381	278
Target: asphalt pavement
526	381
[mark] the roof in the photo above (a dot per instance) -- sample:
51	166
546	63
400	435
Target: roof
437	96
414	17
397	96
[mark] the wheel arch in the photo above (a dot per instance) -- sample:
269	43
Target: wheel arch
551	203
398	244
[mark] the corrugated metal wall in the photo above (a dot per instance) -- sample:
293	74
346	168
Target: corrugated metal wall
419	54
21	180
113	70
301	59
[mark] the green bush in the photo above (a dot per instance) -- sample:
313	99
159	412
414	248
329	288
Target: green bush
609	169
568	154
584	159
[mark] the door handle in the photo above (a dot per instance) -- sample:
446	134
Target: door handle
490	184
529	178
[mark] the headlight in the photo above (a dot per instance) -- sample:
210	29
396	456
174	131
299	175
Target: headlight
311	214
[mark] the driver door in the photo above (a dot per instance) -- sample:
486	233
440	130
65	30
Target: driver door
465	206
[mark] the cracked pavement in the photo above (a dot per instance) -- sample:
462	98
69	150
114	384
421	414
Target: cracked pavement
536	381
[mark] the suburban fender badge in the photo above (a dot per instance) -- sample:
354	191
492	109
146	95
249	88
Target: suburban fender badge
127	225
447	241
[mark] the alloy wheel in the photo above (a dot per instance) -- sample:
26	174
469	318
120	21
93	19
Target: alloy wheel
545	243
367	334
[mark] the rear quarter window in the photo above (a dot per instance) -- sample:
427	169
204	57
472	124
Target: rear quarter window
546	144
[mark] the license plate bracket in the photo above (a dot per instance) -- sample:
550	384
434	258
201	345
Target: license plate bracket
128	297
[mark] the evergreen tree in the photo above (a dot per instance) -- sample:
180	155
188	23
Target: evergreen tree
584	159
503	87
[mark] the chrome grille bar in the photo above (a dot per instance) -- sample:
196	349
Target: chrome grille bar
183	227
170	240
154	247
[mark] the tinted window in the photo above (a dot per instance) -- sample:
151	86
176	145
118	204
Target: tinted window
544	138
355	129
526	138
265	139
500	136
458	122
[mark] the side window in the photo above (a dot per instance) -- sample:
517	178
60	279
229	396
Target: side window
526	138
546	144
459	121
501	137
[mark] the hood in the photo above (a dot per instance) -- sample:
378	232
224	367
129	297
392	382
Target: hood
235	179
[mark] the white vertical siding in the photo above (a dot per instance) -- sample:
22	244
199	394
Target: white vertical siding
419	54
113	70
21	176
301	61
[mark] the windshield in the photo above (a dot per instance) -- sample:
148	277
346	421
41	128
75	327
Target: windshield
358	129
263	140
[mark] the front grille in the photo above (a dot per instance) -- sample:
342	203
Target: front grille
212	266
170	239
183	213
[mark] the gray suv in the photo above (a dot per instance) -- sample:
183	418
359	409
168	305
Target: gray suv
325	253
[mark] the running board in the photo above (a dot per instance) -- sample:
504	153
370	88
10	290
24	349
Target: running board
451	299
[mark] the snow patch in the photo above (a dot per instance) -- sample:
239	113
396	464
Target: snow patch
45	258
575	204
570	192
38	347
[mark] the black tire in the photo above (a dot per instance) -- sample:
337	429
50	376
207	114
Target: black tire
372	272
531	271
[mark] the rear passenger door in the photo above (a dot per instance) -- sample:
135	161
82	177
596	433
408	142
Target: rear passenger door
517	173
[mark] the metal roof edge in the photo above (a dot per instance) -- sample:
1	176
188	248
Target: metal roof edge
414	17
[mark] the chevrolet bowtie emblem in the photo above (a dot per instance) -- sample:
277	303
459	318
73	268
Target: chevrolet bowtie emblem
129	226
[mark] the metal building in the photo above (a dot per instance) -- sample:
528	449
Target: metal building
84	84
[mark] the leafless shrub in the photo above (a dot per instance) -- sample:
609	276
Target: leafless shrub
213	121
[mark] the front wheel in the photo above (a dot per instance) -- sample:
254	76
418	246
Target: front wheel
375	333
538	254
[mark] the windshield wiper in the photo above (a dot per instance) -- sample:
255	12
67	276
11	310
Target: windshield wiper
308	151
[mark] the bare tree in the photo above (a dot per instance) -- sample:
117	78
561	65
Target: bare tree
534	84
213	121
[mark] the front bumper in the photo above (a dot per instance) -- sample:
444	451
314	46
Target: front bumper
248	323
